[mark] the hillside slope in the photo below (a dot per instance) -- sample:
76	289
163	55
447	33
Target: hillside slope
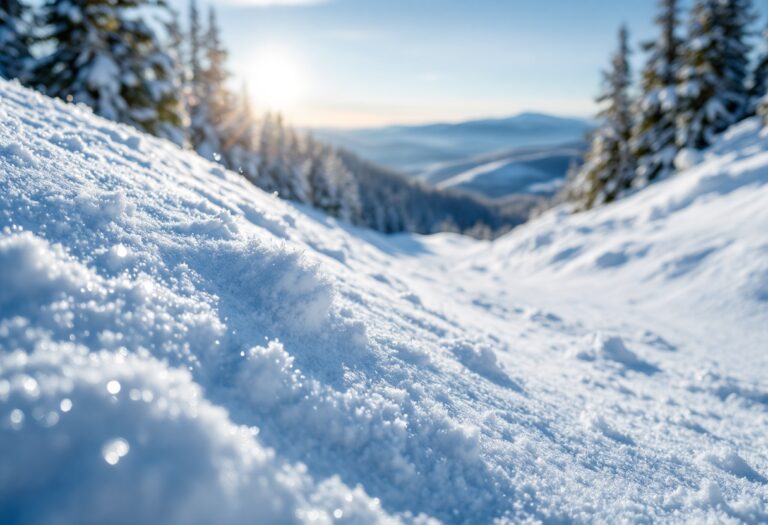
414	149
536	171
177	346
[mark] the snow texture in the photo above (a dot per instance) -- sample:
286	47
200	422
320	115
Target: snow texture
177	346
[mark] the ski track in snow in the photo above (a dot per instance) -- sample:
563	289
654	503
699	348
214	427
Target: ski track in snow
177	346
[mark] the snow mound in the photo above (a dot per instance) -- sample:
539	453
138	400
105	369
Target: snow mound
177	346
612	348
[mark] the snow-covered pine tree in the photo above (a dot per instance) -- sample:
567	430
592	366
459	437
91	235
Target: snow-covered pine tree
333	187
15	40
713	78
214	104
165	115
350	203
174	44
241	154
200	133
105	55
195	35
176	128
654	132
322	194
609	166
217	94
296	179
739	15
270	145
284	162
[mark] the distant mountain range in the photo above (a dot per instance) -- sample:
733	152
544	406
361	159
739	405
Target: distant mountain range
414	149
526	153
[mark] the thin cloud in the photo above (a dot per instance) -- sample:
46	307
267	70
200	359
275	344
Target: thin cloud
276	3
430	76
351	35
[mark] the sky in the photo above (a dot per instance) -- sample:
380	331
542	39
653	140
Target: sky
363	63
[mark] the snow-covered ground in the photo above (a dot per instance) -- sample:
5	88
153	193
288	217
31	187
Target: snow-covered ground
538	171
177	346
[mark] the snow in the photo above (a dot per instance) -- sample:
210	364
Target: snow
177	346
469	175
687	158
538	171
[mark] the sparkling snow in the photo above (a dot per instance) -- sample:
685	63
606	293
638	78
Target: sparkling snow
177	346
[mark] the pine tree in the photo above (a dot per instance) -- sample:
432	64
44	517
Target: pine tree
285	161
201	136
105	55
322	195
216	93
713	78
654	133
739	15
333	187
214	103
294	183
270	139
241	153
609	166
350	204
195	49
160	90
175	128
175	47
15	41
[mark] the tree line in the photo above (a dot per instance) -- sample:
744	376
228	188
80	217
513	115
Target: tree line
692	87
172	81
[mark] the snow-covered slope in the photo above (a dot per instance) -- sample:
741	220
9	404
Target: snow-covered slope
537	171
691	252
177	346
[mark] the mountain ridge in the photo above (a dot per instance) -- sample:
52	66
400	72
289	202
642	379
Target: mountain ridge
522	117
414	148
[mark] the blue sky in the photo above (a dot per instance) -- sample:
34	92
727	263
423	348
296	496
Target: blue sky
373	62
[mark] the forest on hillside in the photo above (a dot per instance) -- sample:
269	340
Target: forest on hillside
695	83
171	80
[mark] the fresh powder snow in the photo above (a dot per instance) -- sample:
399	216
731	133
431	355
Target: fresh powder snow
178	346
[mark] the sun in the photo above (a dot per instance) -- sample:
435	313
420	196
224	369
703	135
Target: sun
276	80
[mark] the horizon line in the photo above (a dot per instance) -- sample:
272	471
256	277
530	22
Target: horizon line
434	122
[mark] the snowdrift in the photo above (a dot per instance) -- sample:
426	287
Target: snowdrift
177	346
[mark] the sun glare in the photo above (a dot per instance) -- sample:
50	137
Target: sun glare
276	81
